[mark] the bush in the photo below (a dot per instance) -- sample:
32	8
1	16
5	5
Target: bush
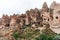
50	38
36	38
44	37
16	35
57	37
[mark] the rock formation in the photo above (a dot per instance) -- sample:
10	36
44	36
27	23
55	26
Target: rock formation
35	16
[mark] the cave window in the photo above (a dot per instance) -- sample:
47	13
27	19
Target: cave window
42	15
57	17
38	22
44	19
48	19
7	25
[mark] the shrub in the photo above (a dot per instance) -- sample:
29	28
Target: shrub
57	37
16	35
50	38
44	37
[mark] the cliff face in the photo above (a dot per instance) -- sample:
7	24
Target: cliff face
32	17
55	23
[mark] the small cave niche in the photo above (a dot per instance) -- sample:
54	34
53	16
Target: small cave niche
7	25
56	17
48	19
44	18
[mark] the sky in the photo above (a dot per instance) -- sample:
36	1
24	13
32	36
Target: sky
10	7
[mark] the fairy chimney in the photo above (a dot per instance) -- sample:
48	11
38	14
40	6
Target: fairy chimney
14	20
45	7
52	5
5	20
27	17
55	23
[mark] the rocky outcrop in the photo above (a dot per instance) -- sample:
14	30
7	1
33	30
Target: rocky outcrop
5	20
45	7
35	16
